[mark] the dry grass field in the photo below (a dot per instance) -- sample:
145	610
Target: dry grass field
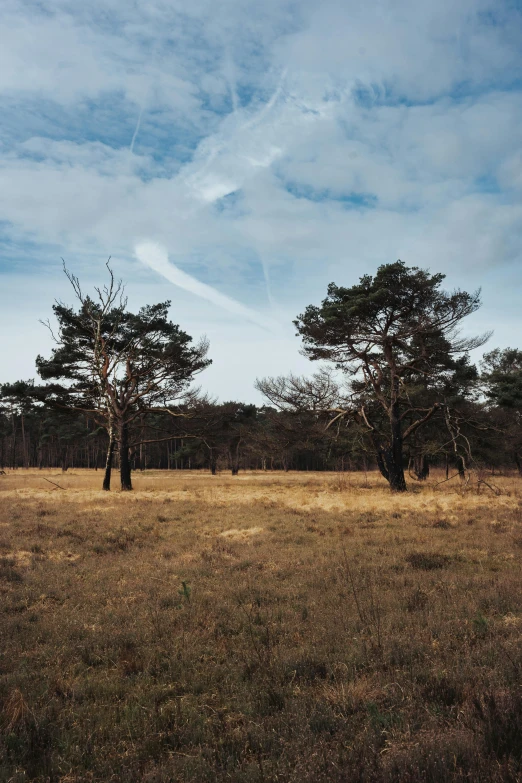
270	627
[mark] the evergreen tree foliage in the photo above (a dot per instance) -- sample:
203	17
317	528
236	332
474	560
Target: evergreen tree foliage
117	366
395	336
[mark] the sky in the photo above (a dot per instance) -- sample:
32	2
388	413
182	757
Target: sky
236	157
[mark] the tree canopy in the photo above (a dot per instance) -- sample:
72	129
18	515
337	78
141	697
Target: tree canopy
118	366
395	336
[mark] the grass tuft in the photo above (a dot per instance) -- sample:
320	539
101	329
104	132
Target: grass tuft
428	561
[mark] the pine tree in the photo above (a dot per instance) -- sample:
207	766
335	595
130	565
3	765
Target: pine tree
117	366
392	334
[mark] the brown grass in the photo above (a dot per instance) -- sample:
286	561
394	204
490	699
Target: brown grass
269	627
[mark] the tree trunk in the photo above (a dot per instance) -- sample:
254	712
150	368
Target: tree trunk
108	461
125	465
518	463
234	454
396	464
390	458
397	480
13	458
390	464
24	447
381	463
421	466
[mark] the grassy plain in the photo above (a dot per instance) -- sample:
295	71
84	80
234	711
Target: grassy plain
268	627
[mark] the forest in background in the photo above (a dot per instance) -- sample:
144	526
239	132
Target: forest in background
396	390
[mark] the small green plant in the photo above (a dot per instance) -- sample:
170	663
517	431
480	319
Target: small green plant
480	624
381	722
185	592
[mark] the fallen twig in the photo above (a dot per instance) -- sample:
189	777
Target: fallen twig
494	489
447	479
52	482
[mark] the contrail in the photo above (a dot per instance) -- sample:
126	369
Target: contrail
136	131
156	257
231	79
266	277
256	119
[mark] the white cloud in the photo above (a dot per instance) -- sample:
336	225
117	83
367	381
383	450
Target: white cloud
123	121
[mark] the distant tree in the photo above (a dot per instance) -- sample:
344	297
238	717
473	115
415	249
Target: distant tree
394	335
238	420
456	391
16	403
303	405
502	376
117	366
222	429
502	379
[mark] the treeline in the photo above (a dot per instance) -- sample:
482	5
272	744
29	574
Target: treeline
235	436
396	391
230	436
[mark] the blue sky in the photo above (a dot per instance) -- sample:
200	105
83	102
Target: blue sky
270	148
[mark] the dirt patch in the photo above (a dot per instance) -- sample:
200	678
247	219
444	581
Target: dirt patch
245	533
60	557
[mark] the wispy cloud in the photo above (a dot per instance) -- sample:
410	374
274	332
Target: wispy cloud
156	257
276	146
136	131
